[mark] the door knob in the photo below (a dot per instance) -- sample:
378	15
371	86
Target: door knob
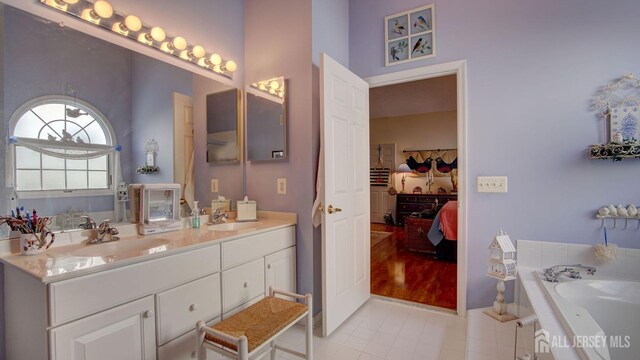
331	209
193	307
147	314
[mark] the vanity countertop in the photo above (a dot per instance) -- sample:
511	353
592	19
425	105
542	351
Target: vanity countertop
63	262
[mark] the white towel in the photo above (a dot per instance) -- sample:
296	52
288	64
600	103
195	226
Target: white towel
316	214
188	184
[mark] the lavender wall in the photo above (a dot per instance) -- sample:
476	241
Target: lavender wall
533	68
284	48
330	29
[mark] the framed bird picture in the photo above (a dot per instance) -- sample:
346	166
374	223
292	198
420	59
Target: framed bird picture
410	35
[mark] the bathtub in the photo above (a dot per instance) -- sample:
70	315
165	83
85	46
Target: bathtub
602	316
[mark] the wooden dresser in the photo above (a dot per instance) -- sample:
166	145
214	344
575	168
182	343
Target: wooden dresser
409	203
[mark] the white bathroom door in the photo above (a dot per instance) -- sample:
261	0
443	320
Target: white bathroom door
345	221
183	145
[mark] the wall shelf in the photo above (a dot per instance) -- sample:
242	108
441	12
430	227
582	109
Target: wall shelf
616	152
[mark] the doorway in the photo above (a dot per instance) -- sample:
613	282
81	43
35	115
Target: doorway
405	264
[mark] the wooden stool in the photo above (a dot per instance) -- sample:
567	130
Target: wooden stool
252	332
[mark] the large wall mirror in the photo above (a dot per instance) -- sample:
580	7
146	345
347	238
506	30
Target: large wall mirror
266	120
70	93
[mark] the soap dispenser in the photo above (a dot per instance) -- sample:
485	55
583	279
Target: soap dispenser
195	216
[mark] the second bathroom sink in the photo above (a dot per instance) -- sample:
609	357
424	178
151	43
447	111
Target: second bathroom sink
232	226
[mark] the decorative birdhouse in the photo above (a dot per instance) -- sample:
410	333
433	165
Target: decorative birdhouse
501	266
502	263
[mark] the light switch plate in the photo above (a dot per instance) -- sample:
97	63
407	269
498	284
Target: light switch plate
214	185
282	186
492	184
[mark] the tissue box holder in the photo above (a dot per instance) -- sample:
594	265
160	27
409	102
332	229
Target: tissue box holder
246	211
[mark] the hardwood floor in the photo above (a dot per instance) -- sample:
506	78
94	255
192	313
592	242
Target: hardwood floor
399	273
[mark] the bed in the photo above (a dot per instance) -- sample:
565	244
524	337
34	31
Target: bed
443	233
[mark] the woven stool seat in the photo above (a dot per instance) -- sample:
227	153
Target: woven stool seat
259	322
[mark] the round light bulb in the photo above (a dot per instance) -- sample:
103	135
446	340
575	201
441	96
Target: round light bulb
61	4
157	34
217	68
272	91
103	9
198	51
215	59
133	23
231	66
179	43
262	87
274	85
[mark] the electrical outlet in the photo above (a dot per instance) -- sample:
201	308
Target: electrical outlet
282	186
214	185
492	184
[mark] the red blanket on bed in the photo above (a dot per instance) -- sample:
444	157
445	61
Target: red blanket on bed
449	220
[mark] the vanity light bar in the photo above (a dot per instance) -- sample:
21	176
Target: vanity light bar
101	13
271	86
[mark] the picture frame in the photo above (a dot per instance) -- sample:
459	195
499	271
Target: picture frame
410	35
277	154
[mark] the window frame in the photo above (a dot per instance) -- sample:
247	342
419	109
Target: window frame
102	120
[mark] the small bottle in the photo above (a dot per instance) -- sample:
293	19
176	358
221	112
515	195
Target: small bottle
195	216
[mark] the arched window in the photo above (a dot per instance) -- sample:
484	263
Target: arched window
61	143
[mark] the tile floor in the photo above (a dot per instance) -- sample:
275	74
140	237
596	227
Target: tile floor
488	339
387	330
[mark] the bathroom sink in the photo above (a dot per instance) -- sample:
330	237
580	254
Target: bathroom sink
119	247
232	226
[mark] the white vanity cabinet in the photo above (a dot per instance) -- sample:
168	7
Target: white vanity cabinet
147	309
280	270
124	332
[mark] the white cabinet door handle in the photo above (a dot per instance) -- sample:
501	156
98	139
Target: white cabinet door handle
269	266
147	314
193	307
193	355
246	284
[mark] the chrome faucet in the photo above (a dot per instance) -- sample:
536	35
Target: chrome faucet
551	274
106	233
218	216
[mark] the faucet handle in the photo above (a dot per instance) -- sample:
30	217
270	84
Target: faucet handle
88	223
105	224
575	274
